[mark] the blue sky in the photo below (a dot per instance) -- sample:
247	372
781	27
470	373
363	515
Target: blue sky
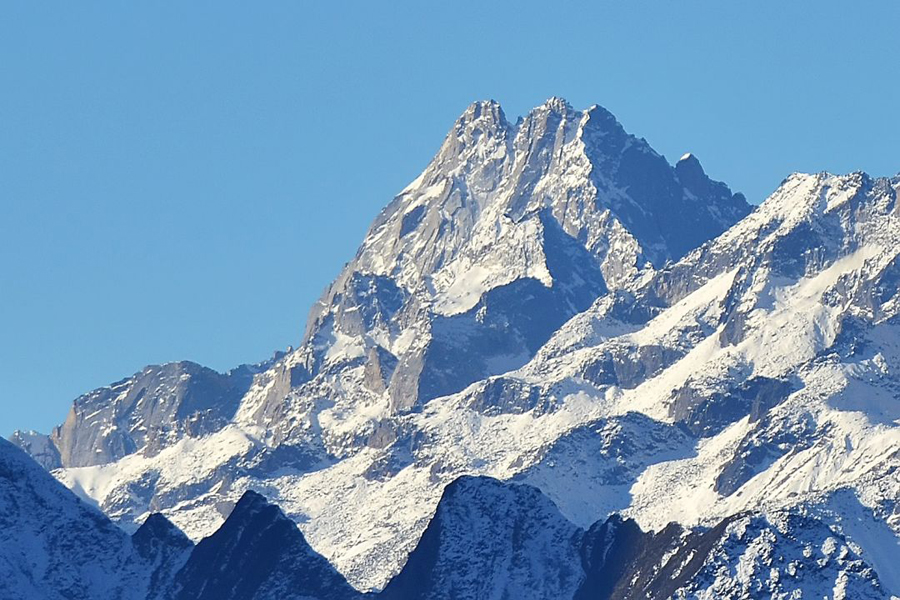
182	180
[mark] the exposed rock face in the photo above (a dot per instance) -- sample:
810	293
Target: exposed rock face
147	412
621	561
143	413
707	411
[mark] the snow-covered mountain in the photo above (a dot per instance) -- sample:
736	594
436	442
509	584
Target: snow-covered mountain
487	539
510	231
258	554
148	411
496	540
55	547
165	549
551	303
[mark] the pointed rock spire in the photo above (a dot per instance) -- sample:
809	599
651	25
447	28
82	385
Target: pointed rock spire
557	104
689	170
259	552
159	535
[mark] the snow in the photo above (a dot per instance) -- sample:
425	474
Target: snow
800	324
465	291
344	347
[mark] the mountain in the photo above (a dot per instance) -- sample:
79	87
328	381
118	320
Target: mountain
494	540
509	231
258	554
149	411
780	555
54	546
491	540
487	539
551	303
146	412
165	549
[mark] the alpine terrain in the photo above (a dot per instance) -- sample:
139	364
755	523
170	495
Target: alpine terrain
557	367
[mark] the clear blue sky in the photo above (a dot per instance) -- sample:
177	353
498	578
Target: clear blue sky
180	180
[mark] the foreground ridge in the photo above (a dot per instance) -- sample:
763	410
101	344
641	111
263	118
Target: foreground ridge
487	539
490	539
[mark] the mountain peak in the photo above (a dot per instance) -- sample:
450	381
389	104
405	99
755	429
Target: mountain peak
157	529
465	231
480	131
557	104
467	546
689	161
479	105
250	504
599	119
690	172
483	110
258	553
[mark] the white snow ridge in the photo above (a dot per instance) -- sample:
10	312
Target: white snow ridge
552	305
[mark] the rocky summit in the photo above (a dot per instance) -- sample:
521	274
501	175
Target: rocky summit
557	367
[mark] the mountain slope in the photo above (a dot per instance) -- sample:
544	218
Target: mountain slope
54	546
491	540
487	539
165	549
145	413
258	554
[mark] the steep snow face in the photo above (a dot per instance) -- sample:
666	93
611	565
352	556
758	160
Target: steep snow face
53	546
